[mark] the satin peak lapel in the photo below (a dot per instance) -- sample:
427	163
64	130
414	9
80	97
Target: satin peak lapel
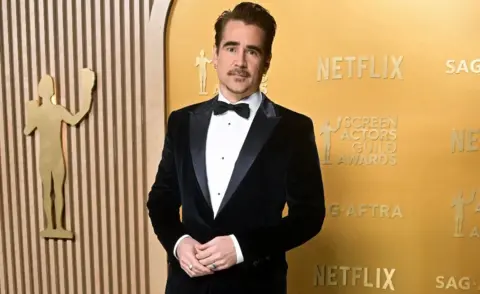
262	126
199	121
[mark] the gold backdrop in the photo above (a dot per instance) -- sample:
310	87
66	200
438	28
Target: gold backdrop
393	88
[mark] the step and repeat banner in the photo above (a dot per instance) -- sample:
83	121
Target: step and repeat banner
393	88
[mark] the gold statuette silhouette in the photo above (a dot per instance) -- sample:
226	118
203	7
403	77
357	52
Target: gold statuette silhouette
45	115
459	204
201	62
326	131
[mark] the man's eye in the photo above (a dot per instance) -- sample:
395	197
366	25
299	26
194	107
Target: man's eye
231	49
252	52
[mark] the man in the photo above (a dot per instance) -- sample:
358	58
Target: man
232	163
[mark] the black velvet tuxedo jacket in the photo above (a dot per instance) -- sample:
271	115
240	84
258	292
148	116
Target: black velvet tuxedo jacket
278	164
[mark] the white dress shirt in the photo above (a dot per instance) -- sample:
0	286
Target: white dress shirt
225	138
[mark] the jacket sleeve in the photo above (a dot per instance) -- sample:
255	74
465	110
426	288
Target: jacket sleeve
164	199
305	199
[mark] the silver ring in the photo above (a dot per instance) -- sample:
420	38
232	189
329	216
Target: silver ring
214	266
190	266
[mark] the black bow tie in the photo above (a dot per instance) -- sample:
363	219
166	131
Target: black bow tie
241	109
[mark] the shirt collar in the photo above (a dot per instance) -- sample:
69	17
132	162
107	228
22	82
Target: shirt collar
253	100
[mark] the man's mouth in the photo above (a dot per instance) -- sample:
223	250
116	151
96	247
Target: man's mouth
240	74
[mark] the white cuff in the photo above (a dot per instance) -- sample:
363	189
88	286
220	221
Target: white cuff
238	250
176	245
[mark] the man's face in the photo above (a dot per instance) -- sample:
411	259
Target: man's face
240	59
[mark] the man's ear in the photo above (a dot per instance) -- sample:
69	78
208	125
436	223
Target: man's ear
214	56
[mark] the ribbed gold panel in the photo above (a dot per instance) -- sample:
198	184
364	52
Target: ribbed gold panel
106	182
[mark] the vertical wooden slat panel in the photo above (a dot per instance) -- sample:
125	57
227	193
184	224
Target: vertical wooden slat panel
65	247
105	160
42	58
93	148
88	126
79	151
22	148
4	250
10	131
128	117
66	252
30	261
76	157
3	253
112	190
118	66
102	178
140	232
84	60
35	187
74	272
50	68
53	247
34	192
7	164
16	137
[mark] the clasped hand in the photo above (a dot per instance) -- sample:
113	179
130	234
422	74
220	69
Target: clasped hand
204	259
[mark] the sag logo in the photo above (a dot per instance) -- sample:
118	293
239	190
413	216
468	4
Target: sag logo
465	140
456	283
336	68
459	203
47	117
201	62
454	67
363	140
341	275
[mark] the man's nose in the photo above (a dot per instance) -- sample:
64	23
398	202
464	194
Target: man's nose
240	59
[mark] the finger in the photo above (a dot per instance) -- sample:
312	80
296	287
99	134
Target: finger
186	267
209	260
197	271
221	267
202	269
216	266
205	246
197	267
190	268
187	271
201	247
220	264
193	266
205	253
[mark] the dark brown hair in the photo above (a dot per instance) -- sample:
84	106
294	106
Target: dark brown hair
251	14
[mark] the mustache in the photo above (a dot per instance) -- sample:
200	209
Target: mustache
239	72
